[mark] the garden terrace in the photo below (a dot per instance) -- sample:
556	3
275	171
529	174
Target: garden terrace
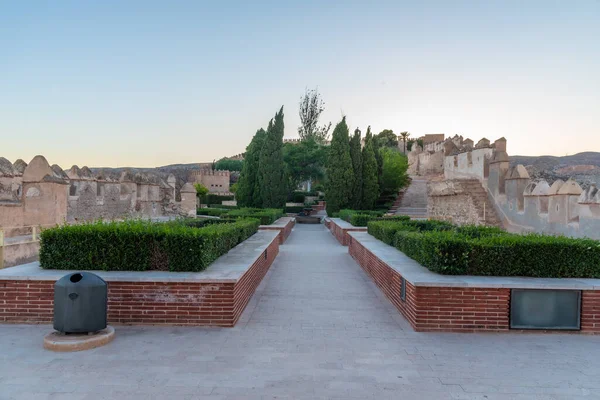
283	225
457	303
214	297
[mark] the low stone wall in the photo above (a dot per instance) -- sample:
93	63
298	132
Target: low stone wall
457	303
214	297
283	225
19	253
340	228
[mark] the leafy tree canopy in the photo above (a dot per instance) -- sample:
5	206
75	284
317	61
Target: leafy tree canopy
303	161
395	165
311	107
226	164
386	138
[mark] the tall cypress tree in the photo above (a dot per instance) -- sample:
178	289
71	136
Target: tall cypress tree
377	146
339	170
370	188
271	166
355	155
248	191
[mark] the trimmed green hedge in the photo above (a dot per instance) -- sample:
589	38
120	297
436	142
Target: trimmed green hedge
266	215
479	250
223	206
362	217
212	212
212	198
294	209
140	245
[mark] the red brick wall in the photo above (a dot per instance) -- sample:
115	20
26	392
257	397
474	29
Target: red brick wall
590	311
341	234
160	303
284	232
455	309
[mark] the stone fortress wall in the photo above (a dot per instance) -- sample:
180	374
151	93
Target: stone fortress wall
479	175
37	194
215	181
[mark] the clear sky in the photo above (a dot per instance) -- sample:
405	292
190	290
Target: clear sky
148	83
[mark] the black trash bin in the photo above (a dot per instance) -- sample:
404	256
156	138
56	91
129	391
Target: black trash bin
80	302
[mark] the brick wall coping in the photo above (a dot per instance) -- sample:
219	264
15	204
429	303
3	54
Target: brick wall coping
347	225
280	223
228	268
421	276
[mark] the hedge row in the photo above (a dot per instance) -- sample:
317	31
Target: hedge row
362	217
223	206
488	251
294	209
140	245
212	198
212	212
266	215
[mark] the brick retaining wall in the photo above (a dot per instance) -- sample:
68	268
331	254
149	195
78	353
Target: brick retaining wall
146	302
340	228
283	225
451	308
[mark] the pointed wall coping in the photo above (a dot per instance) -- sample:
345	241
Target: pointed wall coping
188	188
6	168
571	188
20	166
556	186
542	188
37	170
517	172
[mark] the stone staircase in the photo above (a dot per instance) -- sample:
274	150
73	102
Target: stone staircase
479	196
413	201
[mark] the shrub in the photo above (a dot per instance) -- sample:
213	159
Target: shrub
212	198
294	209
489	251
298	197
224	207
212	212
266	215
140	245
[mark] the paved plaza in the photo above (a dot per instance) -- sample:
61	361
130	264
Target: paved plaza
317	328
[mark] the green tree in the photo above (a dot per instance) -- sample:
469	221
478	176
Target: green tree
339	170
271	170
370	184
311	107
201	191
248	190
376	149
303	161
404	136
356	156
226	164
395	165
387	138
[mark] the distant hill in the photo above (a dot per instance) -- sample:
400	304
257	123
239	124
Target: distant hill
583	167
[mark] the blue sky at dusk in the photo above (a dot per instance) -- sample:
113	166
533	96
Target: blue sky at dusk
148	83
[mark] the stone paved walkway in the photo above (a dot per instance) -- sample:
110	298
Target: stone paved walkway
317	328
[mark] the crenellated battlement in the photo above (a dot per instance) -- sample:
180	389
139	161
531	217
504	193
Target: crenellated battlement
40	194
522	204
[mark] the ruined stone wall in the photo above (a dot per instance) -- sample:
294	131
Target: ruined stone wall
458	209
